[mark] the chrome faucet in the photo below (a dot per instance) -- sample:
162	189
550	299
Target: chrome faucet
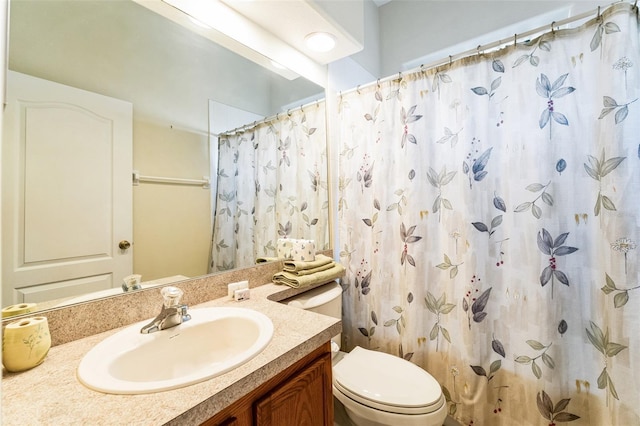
171	314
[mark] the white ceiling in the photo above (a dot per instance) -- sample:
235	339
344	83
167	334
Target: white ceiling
293	20
265	31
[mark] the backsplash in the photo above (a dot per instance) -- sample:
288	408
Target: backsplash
74	322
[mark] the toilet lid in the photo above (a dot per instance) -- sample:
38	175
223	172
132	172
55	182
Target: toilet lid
387	382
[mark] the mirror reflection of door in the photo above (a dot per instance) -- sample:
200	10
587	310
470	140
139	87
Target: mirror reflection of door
66	165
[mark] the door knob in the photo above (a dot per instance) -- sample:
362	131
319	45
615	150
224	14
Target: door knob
124	244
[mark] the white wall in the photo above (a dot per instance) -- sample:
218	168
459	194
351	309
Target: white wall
412	29
403	34
369	57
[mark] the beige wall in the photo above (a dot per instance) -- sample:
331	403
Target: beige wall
171	223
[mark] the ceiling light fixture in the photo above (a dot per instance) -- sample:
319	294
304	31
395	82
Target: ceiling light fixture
320	41
238	33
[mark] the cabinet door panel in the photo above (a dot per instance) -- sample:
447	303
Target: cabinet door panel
232	421
235	416
304	400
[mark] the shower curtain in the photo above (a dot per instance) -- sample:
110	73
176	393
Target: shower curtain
489	214
272	183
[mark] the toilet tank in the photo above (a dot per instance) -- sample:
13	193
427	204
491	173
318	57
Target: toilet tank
325	300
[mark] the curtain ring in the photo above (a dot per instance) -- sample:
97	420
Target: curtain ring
553	31
302	108
358	89
378	83
289	112
422	68
399	76
598	17
478	49
515	39
450	60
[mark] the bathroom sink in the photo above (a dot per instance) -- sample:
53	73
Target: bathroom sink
213	342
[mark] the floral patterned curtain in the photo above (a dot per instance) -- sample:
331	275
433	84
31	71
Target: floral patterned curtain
488	217
272	183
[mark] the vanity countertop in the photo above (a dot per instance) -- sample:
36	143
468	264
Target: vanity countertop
51	394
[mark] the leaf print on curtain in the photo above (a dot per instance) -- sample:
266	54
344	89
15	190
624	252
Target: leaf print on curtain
608	349
551	92
450	266
438	307
547	199
493	368
546	358
553	248
483	91
554	412
467	189
597	169
369	332
450	137
531	57
408	238
610	105
603	28
622	294
439	180
474	167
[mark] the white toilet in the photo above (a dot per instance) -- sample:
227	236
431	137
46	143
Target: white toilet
376	389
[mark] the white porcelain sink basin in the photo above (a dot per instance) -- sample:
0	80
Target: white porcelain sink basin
214	341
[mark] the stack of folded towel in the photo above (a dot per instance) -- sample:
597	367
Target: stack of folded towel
300	273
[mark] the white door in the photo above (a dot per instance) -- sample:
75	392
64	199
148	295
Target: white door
66	191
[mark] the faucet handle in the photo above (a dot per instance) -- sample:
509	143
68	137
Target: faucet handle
171	296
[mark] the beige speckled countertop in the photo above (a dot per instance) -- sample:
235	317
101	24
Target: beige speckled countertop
51	394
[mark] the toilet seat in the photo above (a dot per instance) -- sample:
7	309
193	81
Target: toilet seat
387	383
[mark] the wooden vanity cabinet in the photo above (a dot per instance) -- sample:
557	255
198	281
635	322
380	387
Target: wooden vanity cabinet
301	395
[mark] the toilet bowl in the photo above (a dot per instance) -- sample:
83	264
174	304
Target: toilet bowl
378	389
375	388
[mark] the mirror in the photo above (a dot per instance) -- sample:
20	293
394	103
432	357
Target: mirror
176	80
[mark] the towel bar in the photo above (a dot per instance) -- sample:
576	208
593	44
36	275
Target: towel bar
137	178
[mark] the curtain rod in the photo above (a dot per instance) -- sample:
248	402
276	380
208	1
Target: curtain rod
481	48
190	130
269	119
